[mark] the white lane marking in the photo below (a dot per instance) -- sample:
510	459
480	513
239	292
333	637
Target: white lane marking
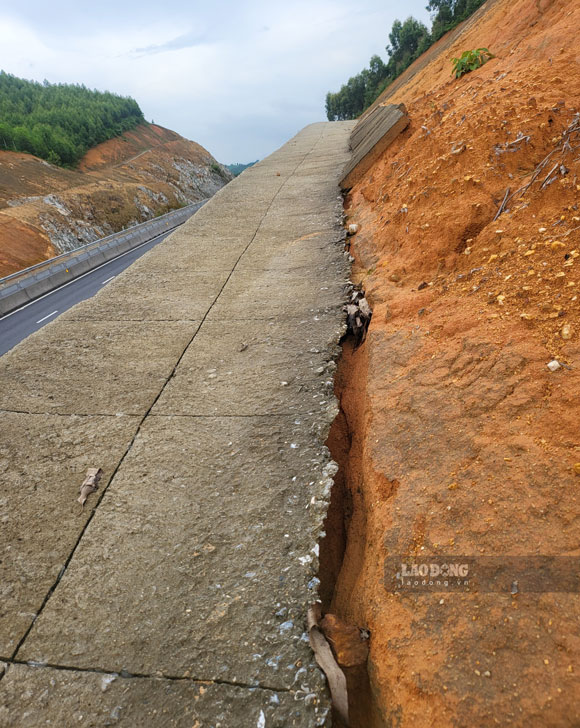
108	279
44	319
88	273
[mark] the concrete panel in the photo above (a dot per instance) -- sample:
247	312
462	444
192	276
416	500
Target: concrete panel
43	461
372	135
85	367
164	588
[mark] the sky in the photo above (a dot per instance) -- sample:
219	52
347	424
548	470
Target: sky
238	77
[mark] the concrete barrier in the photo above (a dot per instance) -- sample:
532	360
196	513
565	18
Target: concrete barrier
25	286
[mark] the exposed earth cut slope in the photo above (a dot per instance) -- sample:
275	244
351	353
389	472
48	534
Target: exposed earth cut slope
455	438
46	210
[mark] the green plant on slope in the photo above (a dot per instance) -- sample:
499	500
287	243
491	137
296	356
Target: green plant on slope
470	61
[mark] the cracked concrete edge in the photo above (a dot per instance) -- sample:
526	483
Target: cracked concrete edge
325	476
327	417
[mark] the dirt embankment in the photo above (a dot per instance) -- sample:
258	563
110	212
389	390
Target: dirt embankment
455	439
46	210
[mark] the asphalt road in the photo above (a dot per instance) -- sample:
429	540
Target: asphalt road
16	326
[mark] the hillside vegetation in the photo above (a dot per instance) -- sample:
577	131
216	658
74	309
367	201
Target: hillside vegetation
407	41
60	122
239	167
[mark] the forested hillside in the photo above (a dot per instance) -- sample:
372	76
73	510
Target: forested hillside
239	167
407	41
60	122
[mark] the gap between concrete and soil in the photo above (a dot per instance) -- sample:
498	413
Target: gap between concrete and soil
343	546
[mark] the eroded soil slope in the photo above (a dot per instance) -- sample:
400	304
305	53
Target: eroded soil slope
46	210
455	437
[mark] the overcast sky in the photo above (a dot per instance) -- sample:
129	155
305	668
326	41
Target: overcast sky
239	77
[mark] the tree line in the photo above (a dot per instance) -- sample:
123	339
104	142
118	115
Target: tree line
407	41
60	122
237	168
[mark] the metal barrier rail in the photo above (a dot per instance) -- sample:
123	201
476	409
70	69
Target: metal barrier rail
24	286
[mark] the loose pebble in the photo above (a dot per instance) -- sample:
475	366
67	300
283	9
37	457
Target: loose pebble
566	332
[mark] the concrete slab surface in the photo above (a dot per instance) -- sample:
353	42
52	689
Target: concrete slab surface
200	380
170	576
43	461
252	368
280	293
136	297
92	367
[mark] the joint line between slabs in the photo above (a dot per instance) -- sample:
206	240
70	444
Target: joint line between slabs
124	675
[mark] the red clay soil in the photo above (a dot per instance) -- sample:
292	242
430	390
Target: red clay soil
141	147
22	245
116	151
455	439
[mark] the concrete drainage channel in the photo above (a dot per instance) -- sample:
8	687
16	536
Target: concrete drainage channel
25	286
196	571
198	566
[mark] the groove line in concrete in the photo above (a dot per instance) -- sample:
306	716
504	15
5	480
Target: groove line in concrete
156	415
140	676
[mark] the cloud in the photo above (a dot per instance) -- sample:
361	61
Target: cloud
188	40
239	77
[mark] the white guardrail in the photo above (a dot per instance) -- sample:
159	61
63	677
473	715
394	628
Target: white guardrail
26	285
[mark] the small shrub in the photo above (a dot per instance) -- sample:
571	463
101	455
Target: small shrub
470	61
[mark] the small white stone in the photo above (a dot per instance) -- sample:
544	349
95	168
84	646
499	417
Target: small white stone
106	680
554	365
353	229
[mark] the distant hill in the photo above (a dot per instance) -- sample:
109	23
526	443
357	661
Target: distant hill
46	210
60	122
238	168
